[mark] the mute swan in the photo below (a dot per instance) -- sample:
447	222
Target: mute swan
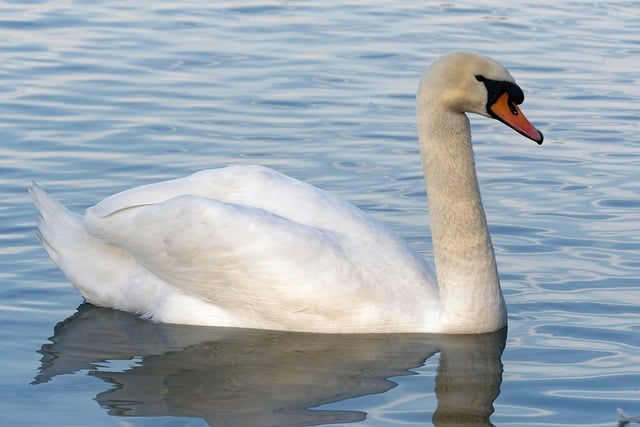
245	246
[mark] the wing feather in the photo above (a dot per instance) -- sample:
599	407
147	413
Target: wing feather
222	253
255	186
245	238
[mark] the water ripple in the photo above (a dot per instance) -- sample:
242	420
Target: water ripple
100	96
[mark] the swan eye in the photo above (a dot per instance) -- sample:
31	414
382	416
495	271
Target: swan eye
481	78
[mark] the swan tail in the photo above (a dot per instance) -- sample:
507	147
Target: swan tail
55	223
86	261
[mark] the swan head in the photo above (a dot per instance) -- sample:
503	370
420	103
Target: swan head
466	82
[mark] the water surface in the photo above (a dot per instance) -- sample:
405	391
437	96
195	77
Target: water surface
99	97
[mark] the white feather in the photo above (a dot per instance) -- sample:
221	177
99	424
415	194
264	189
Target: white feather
247	246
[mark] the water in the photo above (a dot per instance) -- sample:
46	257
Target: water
99	97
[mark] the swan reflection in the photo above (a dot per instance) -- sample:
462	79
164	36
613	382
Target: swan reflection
239	377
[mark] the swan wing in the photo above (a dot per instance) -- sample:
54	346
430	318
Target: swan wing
265	247
197	244
255	186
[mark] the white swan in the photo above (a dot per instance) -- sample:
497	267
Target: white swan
250	247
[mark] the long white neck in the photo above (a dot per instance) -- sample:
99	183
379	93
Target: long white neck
470	293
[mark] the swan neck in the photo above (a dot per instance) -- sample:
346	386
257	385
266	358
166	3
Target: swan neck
469	287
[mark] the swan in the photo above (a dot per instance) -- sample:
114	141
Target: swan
246	246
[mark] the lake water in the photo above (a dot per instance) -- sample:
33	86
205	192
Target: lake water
97	97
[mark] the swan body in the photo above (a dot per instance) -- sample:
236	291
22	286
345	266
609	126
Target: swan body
246	246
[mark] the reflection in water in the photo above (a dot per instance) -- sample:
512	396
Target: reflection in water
625	420
239	377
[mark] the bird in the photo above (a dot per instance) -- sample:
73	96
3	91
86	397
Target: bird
249	247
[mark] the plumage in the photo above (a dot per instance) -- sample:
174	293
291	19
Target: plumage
246	246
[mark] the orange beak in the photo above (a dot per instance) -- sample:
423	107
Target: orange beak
509	114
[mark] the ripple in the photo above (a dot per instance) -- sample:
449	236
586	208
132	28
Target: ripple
98	97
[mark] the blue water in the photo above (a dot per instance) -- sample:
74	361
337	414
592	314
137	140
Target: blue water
96	97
